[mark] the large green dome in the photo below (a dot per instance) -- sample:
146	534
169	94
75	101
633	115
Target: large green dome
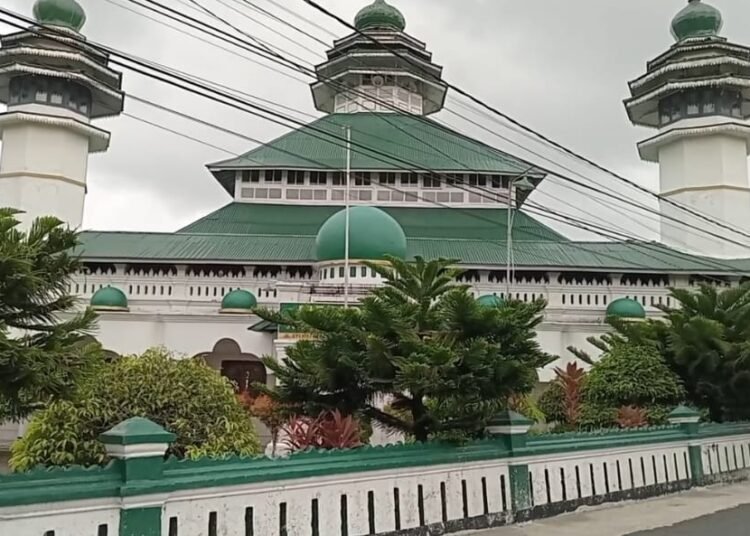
66	13
238	301
380	16
626	308
373	234
696	20
109	299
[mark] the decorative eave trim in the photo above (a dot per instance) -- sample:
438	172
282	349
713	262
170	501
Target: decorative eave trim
73	39
83	79
62	54
649	149
442	86
230	311
98	138
684	65
691	45
671	87
349	55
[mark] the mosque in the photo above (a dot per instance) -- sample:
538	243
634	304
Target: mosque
414	188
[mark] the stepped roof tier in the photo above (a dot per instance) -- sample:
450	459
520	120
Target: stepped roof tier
380	142
247	233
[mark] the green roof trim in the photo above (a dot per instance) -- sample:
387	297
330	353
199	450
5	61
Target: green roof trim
135	431
380	142
373	235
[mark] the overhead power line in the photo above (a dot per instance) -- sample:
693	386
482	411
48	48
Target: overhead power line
530	130
253	108
555	174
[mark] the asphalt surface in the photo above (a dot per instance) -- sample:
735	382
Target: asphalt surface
734	522
722	510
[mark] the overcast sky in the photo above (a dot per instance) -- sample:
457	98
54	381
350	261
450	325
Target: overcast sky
560	67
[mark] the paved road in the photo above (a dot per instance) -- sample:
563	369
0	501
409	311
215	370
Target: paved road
735	522
713	511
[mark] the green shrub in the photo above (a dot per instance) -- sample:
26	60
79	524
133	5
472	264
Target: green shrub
552	403
184	396
629	375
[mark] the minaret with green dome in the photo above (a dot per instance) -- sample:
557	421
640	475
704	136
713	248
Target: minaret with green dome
696	96
54	84
357	68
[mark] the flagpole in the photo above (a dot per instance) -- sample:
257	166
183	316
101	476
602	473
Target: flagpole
346	225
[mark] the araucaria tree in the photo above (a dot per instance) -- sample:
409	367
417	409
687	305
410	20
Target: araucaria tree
422	341
705	341
44	347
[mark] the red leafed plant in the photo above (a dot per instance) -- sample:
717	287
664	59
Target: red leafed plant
571	380
631	417
329	430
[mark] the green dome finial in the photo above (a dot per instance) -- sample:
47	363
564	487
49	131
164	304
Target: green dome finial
697	20
66	13
380	16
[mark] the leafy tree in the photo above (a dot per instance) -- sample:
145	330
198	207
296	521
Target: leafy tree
420	341
185	396
705	340
44	345
629	375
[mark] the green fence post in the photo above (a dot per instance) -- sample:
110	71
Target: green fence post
688	420
513	429
138	445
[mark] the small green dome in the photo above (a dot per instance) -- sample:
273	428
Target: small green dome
380	16
626	308
66	13
696	20
109	299
238	301
490	301
373	234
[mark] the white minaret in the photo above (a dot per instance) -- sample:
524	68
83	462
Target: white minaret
54	84
697	97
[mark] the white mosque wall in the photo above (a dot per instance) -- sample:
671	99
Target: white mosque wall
184	334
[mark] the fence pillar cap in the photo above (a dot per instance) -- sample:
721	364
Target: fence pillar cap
508	422
136	438
683	415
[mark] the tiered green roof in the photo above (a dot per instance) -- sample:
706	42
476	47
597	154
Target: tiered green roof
247	233
380	142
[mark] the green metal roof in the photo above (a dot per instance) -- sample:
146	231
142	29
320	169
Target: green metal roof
600	256
380	141
432	222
